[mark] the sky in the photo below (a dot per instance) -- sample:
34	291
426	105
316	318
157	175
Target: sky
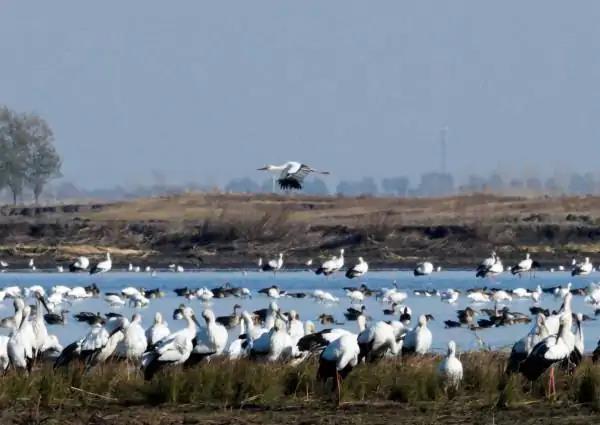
205	91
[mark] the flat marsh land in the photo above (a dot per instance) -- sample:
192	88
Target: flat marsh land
233	230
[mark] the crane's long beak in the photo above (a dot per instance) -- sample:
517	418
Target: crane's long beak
319	171
43	301
262	169
196	321
116	330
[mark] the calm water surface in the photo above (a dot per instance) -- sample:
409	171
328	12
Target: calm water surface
497	338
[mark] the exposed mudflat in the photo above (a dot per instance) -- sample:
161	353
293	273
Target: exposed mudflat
436	413
220	231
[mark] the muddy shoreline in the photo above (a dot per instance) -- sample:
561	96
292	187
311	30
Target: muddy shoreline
217	231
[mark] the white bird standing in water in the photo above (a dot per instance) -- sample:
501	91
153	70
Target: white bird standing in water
358	270
273	265
79	265
582	269
332	265
102	266
423	269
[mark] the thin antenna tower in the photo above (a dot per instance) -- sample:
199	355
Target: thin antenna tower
443	142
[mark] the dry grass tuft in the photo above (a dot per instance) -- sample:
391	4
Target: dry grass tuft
223	384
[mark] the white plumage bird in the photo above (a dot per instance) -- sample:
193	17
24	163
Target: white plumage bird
210	340
419	339
134	343
377	340
20	346
358	270
102	266
292	174
157	331
79	265
172	350
338	359
273	265
450	368
423	269
551	350
582	269
332	265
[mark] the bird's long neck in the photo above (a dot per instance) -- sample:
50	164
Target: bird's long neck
361	324
579	333
191	325
248	323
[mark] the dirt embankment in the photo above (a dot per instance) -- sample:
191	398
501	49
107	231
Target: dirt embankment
216	230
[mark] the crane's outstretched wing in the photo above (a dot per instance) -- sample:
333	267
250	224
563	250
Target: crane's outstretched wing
293	177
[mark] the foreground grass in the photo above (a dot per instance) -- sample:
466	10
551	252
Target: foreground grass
411	382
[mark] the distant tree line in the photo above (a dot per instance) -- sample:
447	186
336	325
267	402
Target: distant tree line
435	184
28	158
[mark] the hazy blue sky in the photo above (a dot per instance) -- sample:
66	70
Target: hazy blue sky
206	91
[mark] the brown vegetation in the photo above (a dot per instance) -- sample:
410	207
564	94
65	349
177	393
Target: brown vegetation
401	391
217	230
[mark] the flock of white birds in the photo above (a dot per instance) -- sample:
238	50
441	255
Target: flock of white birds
270	335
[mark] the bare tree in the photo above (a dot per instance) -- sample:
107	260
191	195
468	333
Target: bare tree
43	162
27	154
13	153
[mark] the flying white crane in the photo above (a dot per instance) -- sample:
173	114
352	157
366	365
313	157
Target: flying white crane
102	266
358	270
292	174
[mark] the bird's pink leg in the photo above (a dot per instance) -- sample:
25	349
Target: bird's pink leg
551	384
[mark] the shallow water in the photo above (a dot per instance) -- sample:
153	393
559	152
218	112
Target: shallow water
497	338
